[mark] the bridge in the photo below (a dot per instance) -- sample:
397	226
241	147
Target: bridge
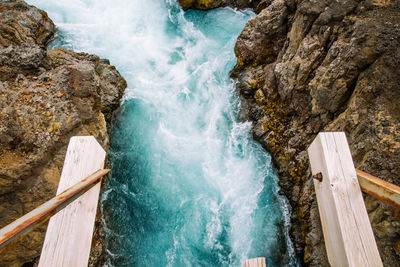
347	231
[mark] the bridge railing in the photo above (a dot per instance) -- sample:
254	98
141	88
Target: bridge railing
69	233
382	190
346	227
347	231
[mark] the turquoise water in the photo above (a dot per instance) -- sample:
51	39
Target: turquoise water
189	187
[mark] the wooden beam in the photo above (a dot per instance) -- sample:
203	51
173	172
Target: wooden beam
256	262
347	231
26	223
69	233
382	190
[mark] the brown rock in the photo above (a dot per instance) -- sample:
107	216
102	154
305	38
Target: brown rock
45	98
22	24
261	40
210	4
325	66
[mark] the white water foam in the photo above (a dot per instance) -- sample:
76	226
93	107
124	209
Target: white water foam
200	161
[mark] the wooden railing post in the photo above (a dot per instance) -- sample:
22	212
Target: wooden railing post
69	233
347	230
256	262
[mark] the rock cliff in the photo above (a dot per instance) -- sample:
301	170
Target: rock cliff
45	98
305	66
210	4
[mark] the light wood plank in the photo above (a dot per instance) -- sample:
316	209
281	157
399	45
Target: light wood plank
347	230
256	262
69	234
42	213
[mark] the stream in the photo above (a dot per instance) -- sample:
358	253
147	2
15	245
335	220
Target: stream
189	185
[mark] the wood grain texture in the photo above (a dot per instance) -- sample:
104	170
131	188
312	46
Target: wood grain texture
69	233
347	230
256	262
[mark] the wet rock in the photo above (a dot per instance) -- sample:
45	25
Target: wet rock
45	98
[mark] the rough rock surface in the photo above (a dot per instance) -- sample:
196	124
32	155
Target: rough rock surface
45	98
210	4
306	66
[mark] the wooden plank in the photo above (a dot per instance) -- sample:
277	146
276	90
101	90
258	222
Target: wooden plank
256	262
382	190
69	234
41	214
347	231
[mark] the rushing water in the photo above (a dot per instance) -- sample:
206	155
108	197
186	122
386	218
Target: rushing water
189	187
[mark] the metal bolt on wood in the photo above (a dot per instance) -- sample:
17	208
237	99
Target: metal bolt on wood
318	176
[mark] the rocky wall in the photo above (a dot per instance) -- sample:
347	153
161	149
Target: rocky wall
46	97
306	66
210	4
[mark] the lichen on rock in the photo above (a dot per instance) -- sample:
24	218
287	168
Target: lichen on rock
310	66
306	66
45	98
